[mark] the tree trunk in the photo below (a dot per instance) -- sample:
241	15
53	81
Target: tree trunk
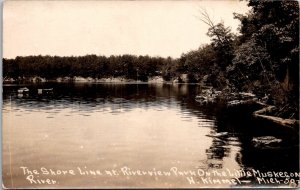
290	123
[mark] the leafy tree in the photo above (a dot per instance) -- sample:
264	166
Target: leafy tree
197	63
274	25
250	69
222	40
267	58
127	66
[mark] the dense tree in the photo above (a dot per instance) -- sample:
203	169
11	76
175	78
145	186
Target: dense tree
198	63
127	66
250	69
267	58
274	25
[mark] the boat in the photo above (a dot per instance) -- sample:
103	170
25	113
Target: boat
218	135
45	90
23	90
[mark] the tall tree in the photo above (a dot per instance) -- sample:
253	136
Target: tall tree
274	25
222	40
267	58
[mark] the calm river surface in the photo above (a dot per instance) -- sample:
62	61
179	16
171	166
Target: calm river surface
147	127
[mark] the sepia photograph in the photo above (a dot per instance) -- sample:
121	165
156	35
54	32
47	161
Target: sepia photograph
106	94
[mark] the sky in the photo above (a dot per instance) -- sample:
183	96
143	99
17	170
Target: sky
75	28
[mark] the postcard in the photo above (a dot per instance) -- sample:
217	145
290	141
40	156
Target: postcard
150	94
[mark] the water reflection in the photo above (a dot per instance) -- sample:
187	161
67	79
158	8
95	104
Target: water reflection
142	126
93	97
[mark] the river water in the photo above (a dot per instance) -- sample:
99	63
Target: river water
99	133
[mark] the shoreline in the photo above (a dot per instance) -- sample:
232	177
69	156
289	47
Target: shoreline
107	80
260	114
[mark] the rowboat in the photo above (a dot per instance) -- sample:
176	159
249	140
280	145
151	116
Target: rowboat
23	90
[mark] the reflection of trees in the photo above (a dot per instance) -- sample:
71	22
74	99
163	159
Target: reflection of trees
284	158
91	97
216	152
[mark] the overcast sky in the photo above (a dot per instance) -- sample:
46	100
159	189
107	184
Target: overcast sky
155	28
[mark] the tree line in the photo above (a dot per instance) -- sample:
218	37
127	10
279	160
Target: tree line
51	67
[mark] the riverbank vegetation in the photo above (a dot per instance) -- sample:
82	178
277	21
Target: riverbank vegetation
263	59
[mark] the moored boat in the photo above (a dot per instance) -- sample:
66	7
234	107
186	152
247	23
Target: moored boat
45	90
23	90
